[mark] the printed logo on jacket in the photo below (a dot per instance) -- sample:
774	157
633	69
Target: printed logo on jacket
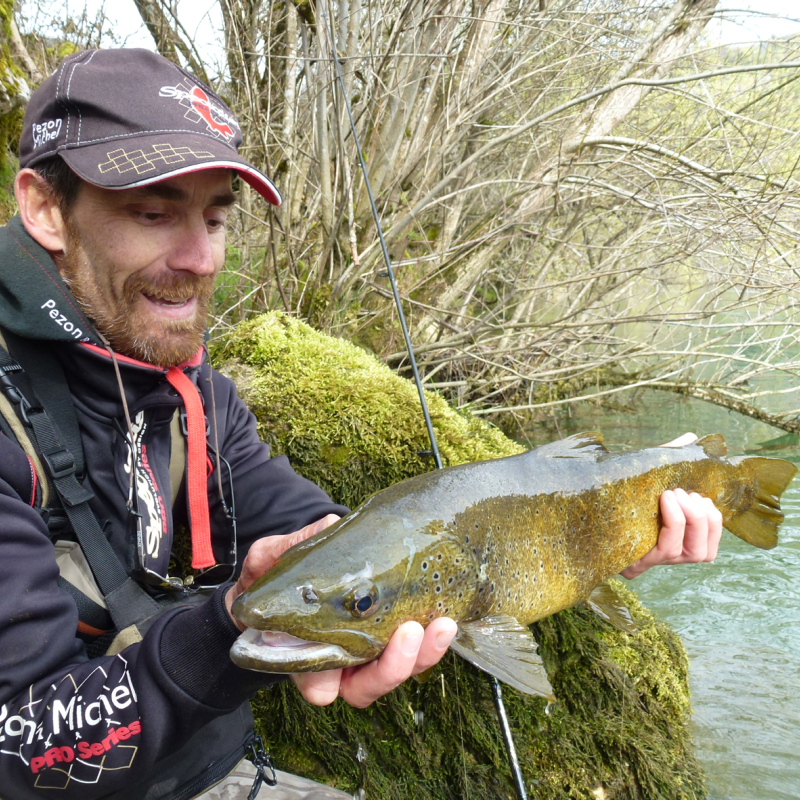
74	733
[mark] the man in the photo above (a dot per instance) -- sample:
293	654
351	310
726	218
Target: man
105	278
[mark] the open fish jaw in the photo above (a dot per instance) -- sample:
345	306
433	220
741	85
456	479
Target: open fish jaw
267	651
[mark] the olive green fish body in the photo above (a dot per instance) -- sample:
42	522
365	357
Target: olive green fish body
509	541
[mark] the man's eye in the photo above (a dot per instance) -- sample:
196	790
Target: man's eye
152	216
215	224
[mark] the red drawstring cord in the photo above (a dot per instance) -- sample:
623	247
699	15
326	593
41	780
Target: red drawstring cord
197	475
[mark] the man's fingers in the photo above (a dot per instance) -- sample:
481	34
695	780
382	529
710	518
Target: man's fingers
319	688
714	528
670	539
411	650
438	636
694	547
266	551
690	534
367	683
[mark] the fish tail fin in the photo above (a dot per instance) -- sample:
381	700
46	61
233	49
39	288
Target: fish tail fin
758	524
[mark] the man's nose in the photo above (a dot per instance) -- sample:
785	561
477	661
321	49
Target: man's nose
192	250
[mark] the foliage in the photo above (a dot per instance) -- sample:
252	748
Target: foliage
622	723
580	198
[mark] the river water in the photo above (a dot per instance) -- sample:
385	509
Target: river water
739	617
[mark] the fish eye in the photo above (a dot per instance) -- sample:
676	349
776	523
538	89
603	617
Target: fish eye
364	602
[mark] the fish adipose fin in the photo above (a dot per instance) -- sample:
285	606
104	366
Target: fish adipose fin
581	445
608	605
758	524
506	649
713	445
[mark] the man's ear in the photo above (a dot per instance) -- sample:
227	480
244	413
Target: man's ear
40	212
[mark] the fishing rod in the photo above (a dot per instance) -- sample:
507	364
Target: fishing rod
497	694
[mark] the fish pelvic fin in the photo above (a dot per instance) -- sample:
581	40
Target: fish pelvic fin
713	445
758	524
505	648
580	445
609	606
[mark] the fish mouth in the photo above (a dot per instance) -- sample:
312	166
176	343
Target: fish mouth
273	651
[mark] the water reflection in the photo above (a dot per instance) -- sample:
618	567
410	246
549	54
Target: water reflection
739	617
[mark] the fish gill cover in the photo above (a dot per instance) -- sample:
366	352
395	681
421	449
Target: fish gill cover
621	728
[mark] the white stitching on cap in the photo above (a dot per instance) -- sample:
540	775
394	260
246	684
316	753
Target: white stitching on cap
67	63
69	85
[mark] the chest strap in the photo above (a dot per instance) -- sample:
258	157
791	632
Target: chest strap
128	603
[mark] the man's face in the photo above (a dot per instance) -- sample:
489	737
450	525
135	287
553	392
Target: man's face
142	262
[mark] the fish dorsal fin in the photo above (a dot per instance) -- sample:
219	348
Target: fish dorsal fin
581	445
608	605
713	445
506	649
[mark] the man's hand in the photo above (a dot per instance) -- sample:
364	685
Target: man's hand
265	552
691	531
409	652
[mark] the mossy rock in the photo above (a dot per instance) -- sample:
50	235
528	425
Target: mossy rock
621	727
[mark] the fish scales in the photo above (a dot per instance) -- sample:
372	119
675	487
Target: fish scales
496	545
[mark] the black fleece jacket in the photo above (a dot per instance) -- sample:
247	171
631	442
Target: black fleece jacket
165	716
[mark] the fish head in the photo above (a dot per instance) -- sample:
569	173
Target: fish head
336	599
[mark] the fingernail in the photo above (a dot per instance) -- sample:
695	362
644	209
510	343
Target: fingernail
443	640
411	643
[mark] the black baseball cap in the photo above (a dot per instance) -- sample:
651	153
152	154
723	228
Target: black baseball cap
128	118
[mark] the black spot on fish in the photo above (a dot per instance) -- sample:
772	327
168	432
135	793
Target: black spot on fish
449	580
492	589
439	557
386	607
438	589
377	619
436	576
424	565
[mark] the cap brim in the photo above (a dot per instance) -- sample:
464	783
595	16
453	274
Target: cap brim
143	160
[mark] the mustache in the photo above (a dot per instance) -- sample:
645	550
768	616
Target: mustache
171	286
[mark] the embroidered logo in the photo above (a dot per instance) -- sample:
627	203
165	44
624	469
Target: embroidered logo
44	132
201	108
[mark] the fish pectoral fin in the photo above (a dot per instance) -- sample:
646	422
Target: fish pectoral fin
580	445
506	649
608	605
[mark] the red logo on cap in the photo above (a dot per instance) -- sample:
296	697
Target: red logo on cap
202	106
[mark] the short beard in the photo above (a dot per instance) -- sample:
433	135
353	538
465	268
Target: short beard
175	342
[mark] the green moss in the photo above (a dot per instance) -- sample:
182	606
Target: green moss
621	728
345	420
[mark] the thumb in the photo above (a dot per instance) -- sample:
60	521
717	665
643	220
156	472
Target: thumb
265	552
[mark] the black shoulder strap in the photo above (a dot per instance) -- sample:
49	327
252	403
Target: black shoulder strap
43	372
128	603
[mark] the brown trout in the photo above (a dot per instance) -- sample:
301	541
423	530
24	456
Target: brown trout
496	545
